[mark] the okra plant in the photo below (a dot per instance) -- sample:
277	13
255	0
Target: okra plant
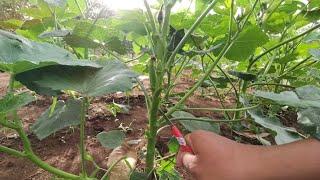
255	50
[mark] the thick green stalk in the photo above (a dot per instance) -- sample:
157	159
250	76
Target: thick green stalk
83	112
152	131
11	84
150	16
193	27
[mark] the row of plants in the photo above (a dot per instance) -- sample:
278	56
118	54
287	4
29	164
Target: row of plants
264	54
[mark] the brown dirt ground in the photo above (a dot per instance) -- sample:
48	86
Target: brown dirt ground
61	150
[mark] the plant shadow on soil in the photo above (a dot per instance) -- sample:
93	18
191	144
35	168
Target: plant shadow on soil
61	149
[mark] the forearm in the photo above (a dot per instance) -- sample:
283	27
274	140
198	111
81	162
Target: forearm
299	160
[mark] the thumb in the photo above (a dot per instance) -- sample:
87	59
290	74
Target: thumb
186	159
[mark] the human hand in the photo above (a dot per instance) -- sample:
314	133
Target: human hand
216	157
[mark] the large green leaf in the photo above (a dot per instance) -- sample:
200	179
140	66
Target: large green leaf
315	53
307	100
54	33
304	97
309	119
113	77
215	25
65	115
111	139
12	102
85	32
18	54
246	44
193	125
284	134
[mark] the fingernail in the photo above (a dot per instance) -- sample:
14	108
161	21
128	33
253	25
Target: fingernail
189	160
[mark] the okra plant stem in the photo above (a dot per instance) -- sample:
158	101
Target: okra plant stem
84	108
29	154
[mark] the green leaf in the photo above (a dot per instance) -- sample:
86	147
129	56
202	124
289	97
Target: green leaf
65	115
11	24
246	44
88	81
243	75
115	44
135	175
18	54
54	33
315	53
129	21
215	25
309	119
287	58
173	145
304	97
284	134
73	7
196	125
313	36
12	102
111	139
56	3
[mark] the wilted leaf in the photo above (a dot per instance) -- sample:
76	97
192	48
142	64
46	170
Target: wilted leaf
113	77
111	139
193	125
12	102
65	115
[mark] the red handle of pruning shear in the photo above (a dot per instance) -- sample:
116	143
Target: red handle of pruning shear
182	142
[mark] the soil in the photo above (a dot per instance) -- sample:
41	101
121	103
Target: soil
61	150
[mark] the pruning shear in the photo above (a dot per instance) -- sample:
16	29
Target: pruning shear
184	147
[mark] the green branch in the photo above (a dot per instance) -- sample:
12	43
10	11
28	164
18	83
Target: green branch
224	110
270	84
204	120
12	152
281	44
193	27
